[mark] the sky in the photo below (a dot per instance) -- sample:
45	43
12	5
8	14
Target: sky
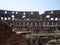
30	5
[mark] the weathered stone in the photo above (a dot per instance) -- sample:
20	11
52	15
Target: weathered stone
8	37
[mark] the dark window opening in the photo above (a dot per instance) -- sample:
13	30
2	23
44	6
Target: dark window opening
58	28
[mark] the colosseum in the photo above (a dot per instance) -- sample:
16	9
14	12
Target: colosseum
37	29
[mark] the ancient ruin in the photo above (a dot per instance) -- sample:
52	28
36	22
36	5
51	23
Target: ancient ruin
37	29
8	37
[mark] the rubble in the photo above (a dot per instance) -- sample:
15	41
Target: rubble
8	37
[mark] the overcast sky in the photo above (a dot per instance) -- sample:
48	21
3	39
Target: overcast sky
30	5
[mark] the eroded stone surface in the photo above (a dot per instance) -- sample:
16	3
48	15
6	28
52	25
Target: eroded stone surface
8	37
